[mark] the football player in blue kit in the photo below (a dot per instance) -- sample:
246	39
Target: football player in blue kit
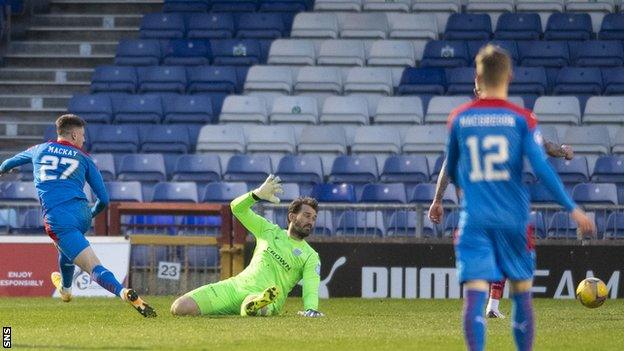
488	139
60	169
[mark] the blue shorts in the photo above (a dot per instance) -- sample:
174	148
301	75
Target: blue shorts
494	254
66	225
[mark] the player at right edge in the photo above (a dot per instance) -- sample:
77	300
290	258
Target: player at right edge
488	139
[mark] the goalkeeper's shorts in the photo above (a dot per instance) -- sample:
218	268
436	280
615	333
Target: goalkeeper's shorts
223	298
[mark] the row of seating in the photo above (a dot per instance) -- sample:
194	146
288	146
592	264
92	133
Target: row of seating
237	5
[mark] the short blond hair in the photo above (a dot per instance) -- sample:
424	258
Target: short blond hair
493	65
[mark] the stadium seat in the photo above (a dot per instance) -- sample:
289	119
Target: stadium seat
323	139
440	107
142	167
271	139
460	80
260	26
247	168
509	45
382	5
568	26
603	109
384	193
422	81
294	110
597	53
91	108
612	27
202	257
212	79
596	10
244	109
186	6
197	168
306	169
391	53
234	6
223	192
558	109
165	79
221	138
292	52
186	52
18	191
615	226
30	221
412	26
210	26
579	81
114	79
424	193
442	9
571	171
337	5
324	224
536	221
236	52
175	192
314	25
468	26
342	53
138	52
376	140
451	224
188	109
618	142
518	26
144	256
592	139
425	139
529	80
445	53
269	79
410	169
162	26
613	80
284	5
369	80
543	7
319	79
334	193
596	194
402	223
165	139
544	53
540	194
367	223
345	110
138	109
114	139
363	25
399	110
354	169
106	166
609	169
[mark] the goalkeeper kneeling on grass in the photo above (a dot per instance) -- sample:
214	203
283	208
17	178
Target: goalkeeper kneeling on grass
280	260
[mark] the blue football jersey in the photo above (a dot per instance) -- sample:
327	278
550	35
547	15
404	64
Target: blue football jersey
60	171
488	140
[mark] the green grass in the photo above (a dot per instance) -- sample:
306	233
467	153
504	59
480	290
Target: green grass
351	324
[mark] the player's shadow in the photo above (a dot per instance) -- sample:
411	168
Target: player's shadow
68	347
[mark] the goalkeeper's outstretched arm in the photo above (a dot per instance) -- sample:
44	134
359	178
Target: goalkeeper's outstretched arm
241	206
311	282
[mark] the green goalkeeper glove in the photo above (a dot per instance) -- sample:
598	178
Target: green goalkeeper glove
311	313
269	189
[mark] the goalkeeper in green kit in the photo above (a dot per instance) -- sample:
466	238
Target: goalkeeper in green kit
280	260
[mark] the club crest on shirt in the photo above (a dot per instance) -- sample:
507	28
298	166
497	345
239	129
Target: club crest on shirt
537	136
297	252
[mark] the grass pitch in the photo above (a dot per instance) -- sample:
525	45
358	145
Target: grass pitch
350	324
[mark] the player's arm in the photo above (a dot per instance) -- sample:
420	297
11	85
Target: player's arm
241	206
96	182
311	281
436	210
556	150
452	154
22	158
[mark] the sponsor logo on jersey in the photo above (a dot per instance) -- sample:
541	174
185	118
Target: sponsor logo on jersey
278	258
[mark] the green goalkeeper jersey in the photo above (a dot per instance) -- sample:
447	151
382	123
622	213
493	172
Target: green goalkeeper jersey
278	259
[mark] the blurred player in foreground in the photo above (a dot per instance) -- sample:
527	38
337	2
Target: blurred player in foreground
436	214
488	139
280	260
60	170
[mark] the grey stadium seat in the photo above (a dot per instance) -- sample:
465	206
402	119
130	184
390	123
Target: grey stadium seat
269	79
342	53
618	142
369	80
412	26
271	139
588	139
604	109
323	139
441	106
292	52
391	53
549	133
558	109
315	25
376	140
425	139
442	9
385	5
399	110
319	79
338	5
345	110
543	7
494	8
294	109
363	25
244	109
221	138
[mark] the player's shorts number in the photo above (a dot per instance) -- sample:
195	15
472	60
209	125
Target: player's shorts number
496	149
51	163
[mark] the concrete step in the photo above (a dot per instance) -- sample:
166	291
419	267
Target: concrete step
36	102
53	47
57	61
49	75
28	115
10	145
43	87
25	128
81	34
86	20
105	6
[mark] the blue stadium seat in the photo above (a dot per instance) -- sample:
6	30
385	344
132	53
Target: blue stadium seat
613	80
368	223
188	109
324	223
406	169
8	219
18	191
144	256
424	193
210	26
221	79
114	139
536	221
29	222
422	81
615	226
114	79
571	171
597	194
384	193
301	169
451	223
175	192
138	109
460	80
612	27
106	166
354	169
200	168
202	256
578	80
597	53
540	194
164	79
260	26
402	223
186	6
91	108
561	226
528	80
187	52
289	6
544	53
609	169
518	26
509	45
234	6
334	193
244	52
223	192
568	26
162	26
25	172
138	52
445	53
142	167
468	26
165	139
248	168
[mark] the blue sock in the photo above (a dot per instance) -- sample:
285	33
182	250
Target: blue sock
474	320
66	266
523	321
106	279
